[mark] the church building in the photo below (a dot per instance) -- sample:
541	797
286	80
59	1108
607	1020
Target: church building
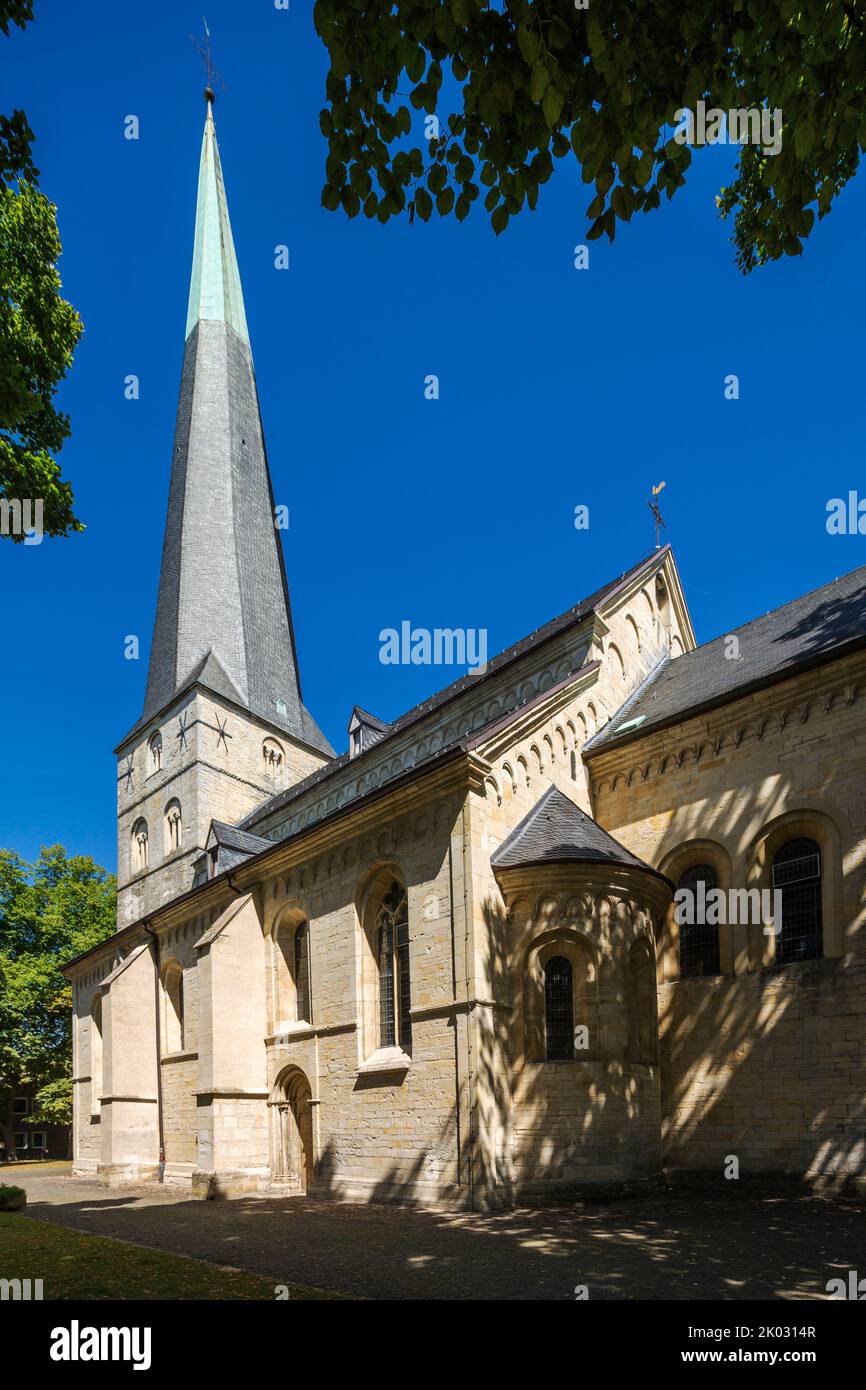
447	964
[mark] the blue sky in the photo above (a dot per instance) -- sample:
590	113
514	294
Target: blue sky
558	387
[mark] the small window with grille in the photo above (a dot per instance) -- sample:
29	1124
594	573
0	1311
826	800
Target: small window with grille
797	873
559	1010
699	940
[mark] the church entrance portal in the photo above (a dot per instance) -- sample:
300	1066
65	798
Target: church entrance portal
292	1132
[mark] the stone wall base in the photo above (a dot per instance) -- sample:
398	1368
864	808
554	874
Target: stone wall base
127	1174
775	1180
178	1175
587	1190
342	1188
240	1182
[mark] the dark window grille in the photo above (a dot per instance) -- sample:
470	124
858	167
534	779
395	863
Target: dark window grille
302	972
395	992
699	943
386	986
797	872
558	1010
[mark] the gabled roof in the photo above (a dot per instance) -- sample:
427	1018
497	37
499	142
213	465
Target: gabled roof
233	846
810	631
363	716
229	837
557	831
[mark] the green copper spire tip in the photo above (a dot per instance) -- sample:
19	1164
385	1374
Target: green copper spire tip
215	288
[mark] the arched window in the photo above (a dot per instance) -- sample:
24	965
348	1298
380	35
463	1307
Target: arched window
641	1003
558	1010
302	972
797	873
699	940
140	857
617	663
172	988
155	750
173	827
272	755
392	951
96	1056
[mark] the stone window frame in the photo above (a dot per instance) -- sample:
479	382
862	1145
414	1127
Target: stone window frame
173	815
686	855
154	753
579	951
284	986
638	1054
139	846
274	760
812	823
173	1019
372	1055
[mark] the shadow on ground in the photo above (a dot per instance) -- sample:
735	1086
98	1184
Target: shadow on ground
665	1246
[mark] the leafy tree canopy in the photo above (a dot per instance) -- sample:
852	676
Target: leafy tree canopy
50	911
520	84
38	329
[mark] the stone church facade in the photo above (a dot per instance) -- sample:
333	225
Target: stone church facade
446	965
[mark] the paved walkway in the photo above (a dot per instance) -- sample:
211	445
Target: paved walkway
679	1245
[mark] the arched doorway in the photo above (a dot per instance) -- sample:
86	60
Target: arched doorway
291	1131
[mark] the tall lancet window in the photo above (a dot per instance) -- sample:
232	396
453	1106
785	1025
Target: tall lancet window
395	994
559	1009
302	972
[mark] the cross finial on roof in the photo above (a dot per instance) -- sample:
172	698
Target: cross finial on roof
654	508
205	52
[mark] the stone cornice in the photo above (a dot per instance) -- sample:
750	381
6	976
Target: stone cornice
732	726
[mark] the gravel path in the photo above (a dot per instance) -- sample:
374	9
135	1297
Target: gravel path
681	1245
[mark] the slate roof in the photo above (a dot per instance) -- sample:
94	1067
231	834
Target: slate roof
234	846
570	618
819	627
365	717
557	831
223	618
233	838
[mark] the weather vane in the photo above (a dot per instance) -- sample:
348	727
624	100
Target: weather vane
654	508
205	52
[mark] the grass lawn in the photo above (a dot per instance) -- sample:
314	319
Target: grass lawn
73	1265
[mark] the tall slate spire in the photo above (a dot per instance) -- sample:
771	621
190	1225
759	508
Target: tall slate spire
223	616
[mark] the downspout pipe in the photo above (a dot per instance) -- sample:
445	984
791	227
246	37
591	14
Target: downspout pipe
157	984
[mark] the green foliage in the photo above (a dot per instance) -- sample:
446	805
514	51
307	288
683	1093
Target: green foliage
50	911
38	329
12	1198
534	81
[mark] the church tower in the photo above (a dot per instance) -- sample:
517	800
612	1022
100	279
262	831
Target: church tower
224	725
